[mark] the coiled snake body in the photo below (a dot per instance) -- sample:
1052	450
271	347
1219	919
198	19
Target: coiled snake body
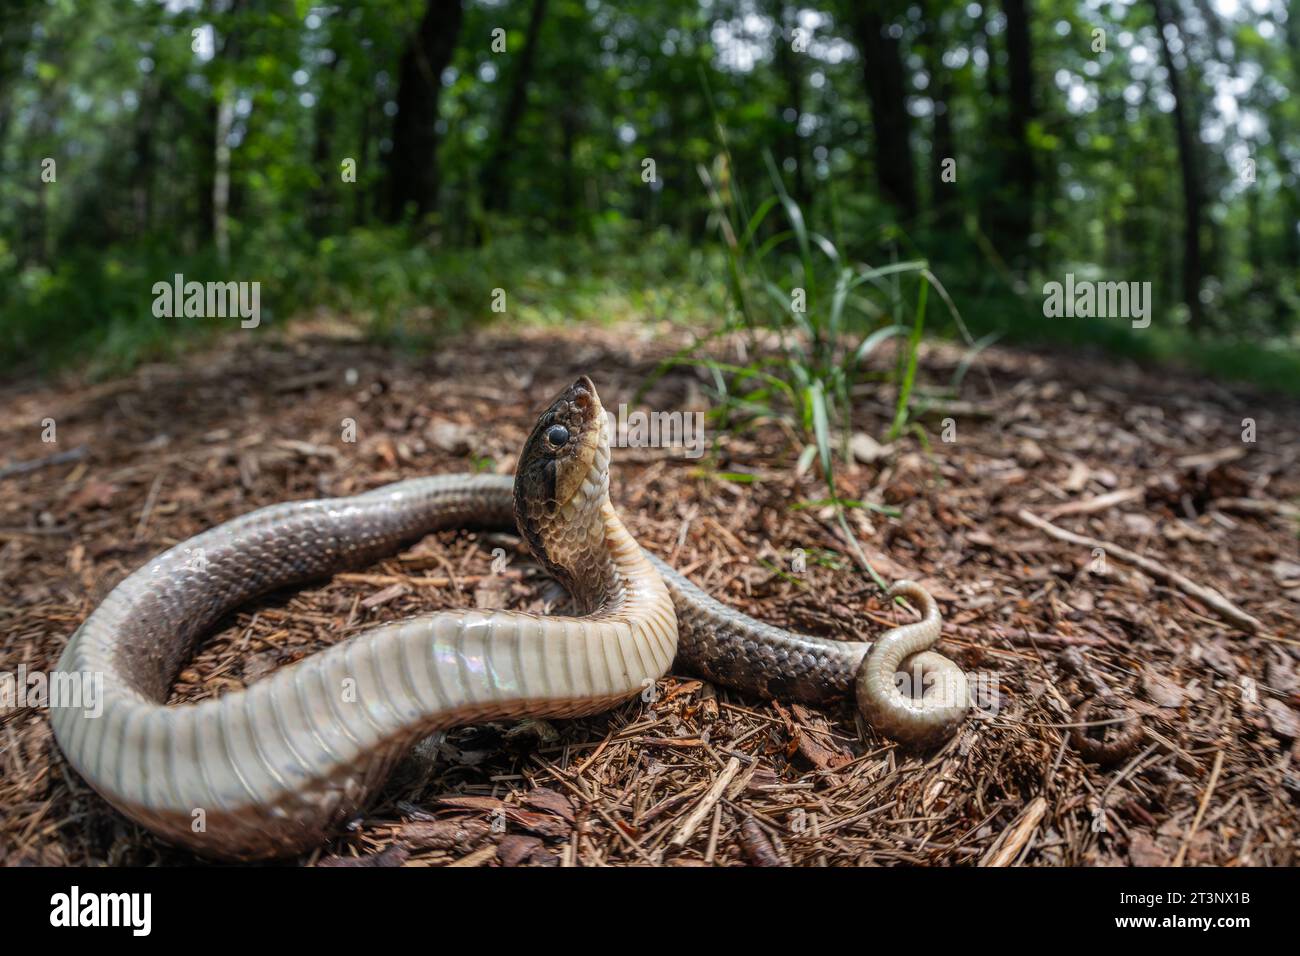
273	769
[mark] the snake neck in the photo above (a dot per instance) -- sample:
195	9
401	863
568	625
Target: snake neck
582	552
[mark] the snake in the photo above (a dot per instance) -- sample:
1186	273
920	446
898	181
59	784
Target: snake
276	768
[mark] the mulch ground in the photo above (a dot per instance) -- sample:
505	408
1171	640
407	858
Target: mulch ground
1150	463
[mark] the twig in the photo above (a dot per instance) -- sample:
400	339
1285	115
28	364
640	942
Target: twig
150	500
1029	638
1200	811
706	804
58	458
712	848
478	857
1211	459
1212	599
1256	506
439	582
1095	504
578	770
1013	840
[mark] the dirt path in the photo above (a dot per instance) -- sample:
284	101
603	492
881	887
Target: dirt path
1153	463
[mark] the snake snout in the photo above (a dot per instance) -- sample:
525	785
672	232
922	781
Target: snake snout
582	396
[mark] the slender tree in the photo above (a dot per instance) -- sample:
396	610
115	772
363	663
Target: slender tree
324	162
16	18
144	156
785	17
219	115
1017	220
1187	160
413	162
879	40
942	147
1290	180
494	181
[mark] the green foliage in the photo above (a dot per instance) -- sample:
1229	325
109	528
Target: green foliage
812	318
47	313
97	307
126	101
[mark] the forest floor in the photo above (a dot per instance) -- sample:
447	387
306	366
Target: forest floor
1149	461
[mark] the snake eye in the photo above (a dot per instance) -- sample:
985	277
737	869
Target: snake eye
557	435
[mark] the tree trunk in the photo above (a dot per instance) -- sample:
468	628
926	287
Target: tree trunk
943	195
144	160
214	178
1021	177
226	44
1187	159
15	31
362	202
494	182
1290	212
785	17
1290	183
987	202
572	214
886	83
221	177
321	210
413	161
206	172
984	41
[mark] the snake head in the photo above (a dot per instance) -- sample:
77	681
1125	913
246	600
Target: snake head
562	480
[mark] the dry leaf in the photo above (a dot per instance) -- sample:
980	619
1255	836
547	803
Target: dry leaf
1284	721
1162	690
1144	851
458	834
393	856
516	848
